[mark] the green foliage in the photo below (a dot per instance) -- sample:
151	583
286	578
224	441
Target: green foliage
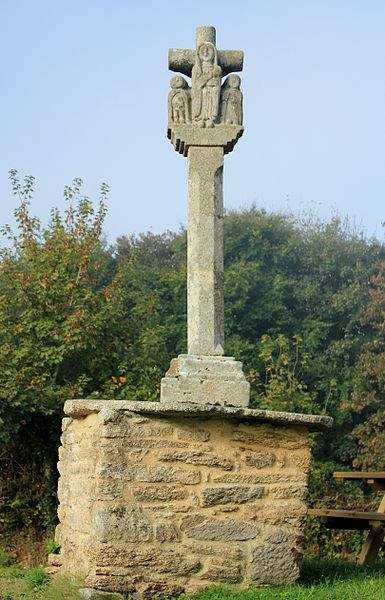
52	546
5	558
59	311
283	362
368	398
33	584
36	577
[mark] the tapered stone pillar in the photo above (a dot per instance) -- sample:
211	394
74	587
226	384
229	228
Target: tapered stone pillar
205	251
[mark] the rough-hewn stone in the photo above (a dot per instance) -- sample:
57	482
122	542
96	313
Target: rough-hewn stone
275	562
260	460
164	474
78	409
201	379
223	570
230	494
294	477
166	532
163	520
157	493
225	530
126	523
198	458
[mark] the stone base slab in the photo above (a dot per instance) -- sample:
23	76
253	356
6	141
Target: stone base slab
217	380
161	499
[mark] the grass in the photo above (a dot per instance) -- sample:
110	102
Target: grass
321	580
17	583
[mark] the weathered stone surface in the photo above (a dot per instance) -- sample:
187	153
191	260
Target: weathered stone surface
81	408
149	474
232	552
198	458
216	380
166	532
288	491
127	523
122	559
298	460
230	494
132	432
156	493
168	512
182	61
260	460
275	562
222	530
158	588
133	524
288	438
164	474
223	570
293	477
282	536
91	594
191	434
109	489
286	512
111	582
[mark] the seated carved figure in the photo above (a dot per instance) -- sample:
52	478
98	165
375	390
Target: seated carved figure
179	101
231	101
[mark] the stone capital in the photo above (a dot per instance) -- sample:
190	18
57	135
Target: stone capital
184	136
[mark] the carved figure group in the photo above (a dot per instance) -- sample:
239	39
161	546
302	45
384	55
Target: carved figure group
207	103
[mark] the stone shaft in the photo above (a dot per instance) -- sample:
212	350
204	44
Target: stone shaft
205	251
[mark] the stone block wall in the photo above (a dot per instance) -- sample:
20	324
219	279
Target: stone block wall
170	501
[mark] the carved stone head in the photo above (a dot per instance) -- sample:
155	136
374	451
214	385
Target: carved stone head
207	54
178	82
233	81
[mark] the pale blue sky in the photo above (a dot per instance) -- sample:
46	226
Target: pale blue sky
84	86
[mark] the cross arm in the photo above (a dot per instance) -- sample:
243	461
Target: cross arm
182	61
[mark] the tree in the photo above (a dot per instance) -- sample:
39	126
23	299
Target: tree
60	310
368	397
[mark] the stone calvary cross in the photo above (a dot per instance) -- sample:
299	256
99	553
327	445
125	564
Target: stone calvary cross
204	123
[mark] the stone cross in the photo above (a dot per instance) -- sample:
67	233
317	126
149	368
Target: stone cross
204	123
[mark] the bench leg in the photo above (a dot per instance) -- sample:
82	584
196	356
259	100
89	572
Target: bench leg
372	545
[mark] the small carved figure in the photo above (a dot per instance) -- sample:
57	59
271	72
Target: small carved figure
179	101
206	85
231	101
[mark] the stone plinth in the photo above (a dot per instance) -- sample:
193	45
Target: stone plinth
205	380
161	498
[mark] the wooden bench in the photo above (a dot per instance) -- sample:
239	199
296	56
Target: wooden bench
355	519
